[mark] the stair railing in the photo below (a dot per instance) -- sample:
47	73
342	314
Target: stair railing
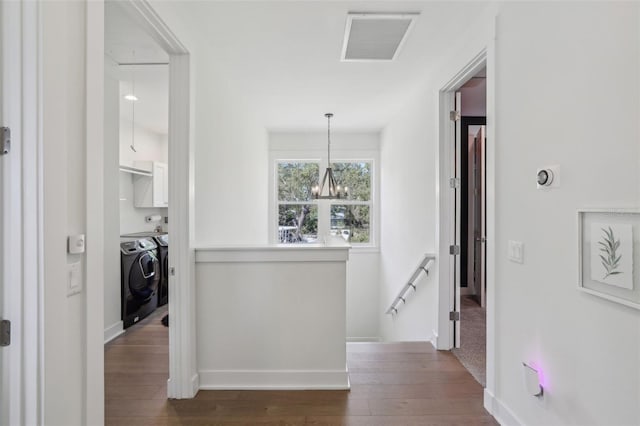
428	260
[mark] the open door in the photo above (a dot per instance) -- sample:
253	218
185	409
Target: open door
4	207
7	210
455	251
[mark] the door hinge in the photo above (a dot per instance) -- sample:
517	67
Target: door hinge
5	333
454	250
454	316
5	140
454	115
172	271
454	183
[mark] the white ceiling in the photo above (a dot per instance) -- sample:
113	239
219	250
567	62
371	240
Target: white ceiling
280	61
152	91
126	43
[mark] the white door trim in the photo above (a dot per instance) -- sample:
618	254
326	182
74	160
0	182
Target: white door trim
183	378
23	188
446	211
485	57
93	413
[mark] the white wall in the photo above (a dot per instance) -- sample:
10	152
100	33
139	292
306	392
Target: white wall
362	267
272	318
567	93
230	165
231	153
63	91
559	66
407	219
150	146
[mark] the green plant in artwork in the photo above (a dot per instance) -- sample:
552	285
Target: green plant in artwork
609	258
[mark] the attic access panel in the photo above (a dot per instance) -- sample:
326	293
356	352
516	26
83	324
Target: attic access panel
374	36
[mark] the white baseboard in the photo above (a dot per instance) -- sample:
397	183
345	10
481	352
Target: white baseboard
362	339
195	384
274	379
113	331
434	339
499	410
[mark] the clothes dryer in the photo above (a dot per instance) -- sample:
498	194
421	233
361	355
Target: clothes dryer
163	256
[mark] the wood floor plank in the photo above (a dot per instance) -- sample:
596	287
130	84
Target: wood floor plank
395	384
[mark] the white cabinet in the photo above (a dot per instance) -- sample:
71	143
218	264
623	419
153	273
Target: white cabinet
151	191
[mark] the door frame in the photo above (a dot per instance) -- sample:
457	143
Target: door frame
447	208
22	180
445	341
183	378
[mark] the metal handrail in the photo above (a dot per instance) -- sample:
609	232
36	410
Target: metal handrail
402	295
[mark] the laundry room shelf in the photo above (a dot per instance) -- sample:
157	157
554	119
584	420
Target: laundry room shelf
135	170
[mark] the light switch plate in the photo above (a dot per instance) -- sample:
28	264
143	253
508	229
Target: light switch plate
516	251
75	244
74	279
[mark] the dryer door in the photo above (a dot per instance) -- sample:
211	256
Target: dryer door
144	276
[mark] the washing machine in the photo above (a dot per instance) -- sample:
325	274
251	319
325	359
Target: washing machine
140	274
162	241
163	256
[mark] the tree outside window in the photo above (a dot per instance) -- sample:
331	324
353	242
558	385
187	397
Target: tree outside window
297	215
298	212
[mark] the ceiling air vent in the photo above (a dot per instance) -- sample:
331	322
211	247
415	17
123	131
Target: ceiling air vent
375	36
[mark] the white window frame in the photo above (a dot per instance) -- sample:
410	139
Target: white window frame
324	219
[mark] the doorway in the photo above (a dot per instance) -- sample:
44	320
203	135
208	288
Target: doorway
471	225
150	44
136	125
452	314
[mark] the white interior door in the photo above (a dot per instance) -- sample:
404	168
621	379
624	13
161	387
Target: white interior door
7	209
457	173
3	379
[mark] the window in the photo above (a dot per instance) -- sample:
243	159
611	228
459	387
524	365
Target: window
301	219
297	214
350	217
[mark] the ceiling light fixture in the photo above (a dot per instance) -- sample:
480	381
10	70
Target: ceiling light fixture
131	97
329	189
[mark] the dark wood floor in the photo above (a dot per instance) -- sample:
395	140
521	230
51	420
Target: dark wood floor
391	384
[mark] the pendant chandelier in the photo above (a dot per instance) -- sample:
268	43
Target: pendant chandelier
329	190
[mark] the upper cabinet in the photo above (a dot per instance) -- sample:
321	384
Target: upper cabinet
152	191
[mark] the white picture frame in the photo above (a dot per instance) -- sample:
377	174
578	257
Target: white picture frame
608	252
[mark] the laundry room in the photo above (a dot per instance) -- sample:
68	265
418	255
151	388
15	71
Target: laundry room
136	177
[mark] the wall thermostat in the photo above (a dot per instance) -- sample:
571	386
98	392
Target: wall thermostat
548	177
545	177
